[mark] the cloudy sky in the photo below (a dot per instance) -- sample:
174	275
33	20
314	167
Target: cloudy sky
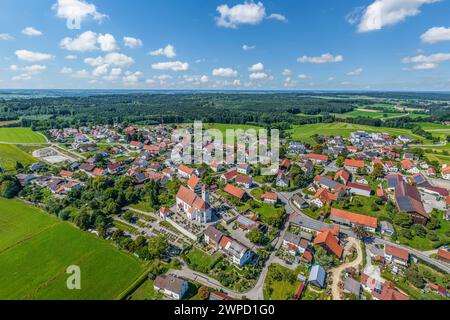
225	44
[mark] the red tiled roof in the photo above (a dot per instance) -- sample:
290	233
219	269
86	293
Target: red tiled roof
325	196
396	252
446	170
317	157
330	241
359	186
185	169
269	196
354	163
342	173
234	191
66	174
193	181
406	164
443	253
355	218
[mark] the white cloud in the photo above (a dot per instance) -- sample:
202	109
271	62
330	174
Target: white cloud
132	78
35	68
324	58
237	83
330	78
244	13
345	83
32	32
81	74
383	13
168	51
6	36
436	34
132	42
302	76
71	57
260	76
66	70
22	77
113	75
27	55
76	11
278	17
113	58
248	47
196	80
256	67
224	72
107	42
355	72
87	41
171	65
100	70
422	62
287	72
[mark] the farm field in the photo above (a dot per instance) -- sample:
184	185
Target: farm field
436	129
10	154
36	249
20	135
303	133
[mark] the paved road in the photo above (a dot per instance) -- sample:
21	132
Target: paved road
439	264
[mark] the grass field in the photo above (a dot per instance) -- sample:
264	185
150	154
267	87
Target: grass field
436	129
36	249
282	289
304	132
20	135
201	261
10	154
442	159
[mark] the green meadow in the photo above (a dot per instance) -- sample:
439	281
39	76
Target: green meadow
36	249
303	133
10	154
20	135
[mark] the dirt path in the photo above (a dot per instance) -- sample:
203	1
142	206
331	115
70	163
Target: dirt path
336	273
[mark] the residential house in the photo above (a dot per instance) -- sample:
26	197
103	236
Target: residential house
212	237
282	180
444	254
342	176
381	289
328	240
353	165
235	191
239	254
351	286
229	176
171	286
317	158
270	197
294	243
244	181
243	168
299	202
185	172
446	172
396	255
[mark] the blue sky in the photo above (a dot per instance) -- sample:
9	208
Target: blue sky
199	44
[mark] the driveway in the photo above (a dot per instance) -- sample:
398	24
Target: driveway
336	273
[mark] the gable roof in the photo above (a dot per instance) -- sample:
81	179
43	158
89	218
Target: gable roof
354	163
330	241
408	199
170	283
316	156
396	252
234	191
185	169
193	181
361	186
355	218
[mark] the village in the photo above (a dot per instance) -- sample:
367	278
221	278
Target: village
347	218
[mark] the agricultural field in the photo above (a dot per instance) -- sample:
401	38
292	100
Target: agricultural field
10	154
20	135
36	249
303	133
436	129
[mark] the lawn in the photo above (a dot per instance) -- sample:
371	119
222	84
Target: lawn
36	249
146	292
280	289
365	207
199	260
10	154
303	133
20	135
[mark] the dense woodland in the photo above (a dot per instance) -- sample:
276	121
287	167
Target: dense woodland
272	108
